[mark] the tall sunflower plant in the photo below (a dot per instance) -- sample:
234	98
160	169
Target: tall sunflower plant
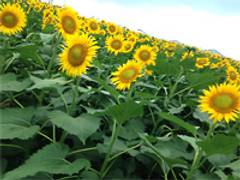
83	98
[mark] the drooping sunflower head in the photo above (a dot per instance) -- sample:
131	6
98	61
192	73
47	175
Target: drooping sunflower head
68	22
115	44
232	75
222	102
202	62
12	19
145	55
126	75
93	26
78	55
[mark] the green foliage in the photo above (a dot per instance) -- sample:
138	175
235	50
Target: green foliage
179	122
16	123
50	159
10	83
125	111
82	126
57	127
220	144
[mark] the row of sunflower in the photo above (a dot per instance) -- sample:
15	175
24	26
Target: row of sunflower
81	44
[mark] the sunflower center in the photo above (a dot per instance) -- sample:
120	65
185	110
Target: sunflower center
112	28
127	47
223	101
116	44
69	24
93	26
233	75
132	39
128	74
9	20
202	61
77	55
144	55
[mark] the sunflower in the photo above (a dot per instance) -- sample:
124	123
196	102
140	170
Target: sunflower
145	55
132	38
156	49
148	72
232	75
128	46
187	55
12	19
36	5
93	26
113	28
170	46
78	55
115	44
48	17
222	102
202	62
126	74
68	22
169	54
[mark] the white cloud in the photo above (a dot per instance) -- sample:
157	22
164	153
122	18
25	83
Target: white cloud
193	27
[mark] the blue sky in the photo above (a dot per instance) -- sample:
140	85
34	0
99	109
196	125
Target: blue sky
207	24
228	7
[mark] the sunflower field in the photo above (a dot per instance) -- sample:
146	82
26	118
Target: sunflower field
83	98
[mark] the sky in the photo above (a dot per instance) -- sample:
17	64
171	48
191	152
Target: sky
207	24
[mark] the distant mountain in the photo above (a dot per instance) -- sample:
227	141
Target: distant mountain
215	51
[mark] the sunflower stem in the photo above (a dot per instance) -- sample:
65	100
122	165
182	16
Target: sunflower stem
54	53
198	155
112	141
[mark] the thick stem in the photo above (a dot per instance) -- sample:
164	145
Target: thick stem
198	155
112	141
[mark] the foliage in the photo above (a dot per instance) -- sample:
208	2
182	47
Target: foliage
59	127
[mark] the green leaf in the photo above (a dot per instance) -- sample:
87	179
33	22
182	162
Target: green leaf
158	153
219	144
202	80
89	175
125	111
27	50
190	128
234	166
202	116
82	126
9	83
11	131
112	91
190	140
200	176
221	159
173	149
49	159
118	146
46	38
46	83
16	123
131	129
164	66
